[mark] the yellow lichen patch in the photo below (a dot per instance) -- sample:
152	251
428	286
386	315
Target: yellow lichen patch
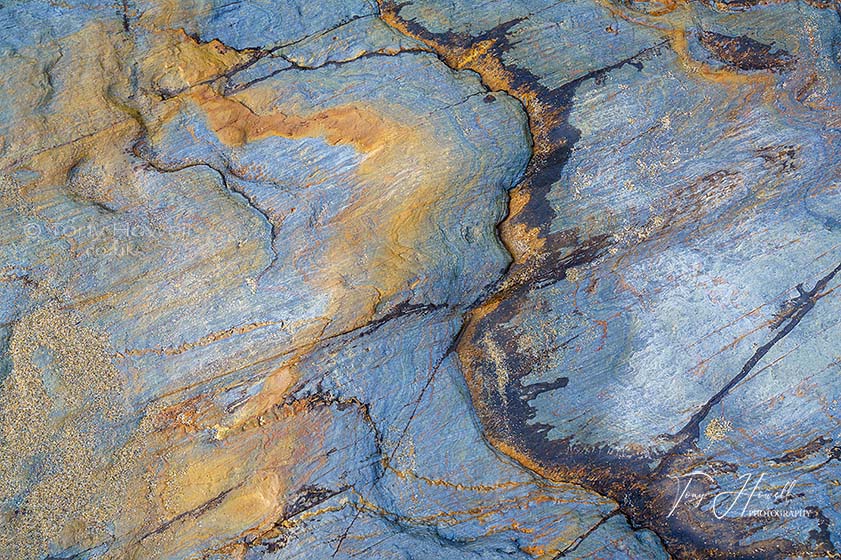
574	274
717	429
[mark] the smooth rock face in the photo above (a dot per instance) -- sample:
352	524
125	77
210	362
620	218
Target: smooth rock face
462	279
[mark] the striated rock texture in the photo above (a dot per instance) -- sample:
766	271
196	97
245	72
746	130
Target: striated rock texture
429	279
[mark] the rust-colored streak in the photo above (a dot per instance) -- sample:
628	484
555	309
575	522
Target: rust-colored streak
236	124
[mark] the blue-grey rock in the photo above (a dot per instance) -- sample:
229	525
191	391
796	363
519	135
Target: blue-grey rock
430	279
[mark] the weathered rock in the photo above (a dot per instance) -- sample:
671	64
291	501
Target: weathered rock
427	279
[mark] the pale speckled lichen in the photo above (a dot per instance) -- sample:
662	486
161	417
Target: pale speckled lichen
498	356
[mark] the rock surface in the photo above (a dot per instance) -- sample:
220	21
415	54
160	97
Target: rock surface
463	279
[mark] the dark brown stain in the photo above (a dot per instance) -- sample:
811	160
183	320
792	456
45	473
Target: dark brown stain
783	158
796	455
744	53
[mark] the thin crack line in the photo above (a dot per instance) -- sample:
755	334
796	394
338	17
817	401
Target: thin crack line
581	538
805	300
450	349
